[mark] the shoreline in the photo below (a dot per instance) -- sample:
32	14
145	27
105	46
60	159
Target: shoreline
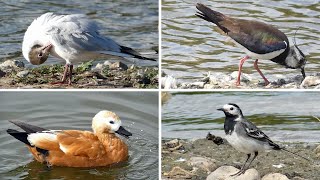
14	74
199	158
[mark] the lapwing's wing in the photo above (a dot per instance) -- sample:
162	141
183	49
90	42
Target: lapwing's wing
255	36
254	132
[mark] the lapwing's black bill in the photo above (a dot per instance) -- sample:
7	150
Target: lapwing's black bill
257	39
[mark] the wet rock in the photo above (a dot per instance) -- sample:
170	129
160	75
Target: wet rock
244	77
206	164
9	65
310	81
216	139
23	74
99	66
117	65
2	73
317	152
275	176
225	172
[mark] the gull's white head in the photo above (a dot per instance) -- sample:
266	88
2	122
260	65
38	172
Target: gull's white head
108	122
36	46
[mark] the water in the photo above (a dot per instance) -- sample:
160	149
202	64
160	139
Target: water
74	110
130	23
192	47
283	116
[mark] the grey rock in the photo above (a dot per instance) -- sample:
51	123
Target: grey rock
9	65
2	73
117	65
23	74
206	164
225	172
275	176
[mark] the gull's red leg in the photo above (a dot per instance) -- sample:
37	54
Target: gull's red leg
65	74
240	68
70	75
266	82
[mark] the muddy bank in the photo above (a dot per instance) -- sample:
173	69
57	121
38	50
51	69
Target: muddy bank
197	159
227	81
13	74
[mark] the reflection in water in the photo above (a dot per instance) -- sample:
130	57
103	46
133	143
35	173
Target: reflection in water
192	46
284	116
74	110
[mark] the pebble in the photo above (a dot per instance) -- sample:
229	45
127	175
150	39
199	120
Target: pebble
225	172
118	64
275	176
317	151
23	74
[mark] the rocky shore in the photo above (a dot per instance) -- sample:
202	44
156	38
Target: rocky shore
13	74
227	81
215	159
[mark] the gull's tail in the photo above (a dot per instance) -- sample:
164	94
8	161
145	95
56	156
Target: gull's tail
130	51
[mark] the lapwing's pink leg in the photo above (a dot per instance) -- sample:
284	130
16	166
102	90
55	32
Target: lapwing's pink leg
65	74
266	82
240	68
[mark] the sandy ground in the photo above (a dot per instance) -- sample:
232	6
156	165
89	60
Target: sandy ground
177	157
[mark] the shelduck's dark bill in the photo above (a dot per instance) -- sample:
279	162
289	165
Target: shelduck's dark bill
123	132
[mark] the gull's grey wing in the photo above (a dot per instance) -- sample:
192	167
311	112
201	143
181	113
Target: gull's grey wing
77	32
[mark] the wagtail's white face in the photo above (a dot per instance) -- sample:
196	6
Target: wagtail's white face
231	110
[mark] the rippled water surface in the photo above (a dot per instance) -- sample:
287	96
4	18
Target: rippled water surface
130	23
192	46
74	110
283	116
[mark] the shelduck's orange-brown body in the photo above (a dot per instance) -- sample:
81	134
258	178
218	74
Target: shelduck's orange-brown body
74	148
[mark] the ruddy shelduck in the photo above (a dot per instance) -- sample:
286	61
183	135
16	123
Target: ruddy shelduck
75	148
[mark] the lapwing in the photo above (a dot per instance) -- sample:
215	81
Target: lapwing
257	39
245	137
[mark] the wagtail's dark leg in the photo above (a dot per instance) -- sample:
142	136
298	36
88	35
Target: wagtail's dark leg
242	170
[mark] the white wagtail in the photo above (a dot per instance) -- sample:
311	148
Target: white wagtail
244	136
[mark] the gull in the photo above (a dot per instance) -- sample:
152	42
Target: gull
73	38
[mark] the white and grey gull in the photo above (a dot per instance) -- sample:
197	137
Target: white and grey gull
73	38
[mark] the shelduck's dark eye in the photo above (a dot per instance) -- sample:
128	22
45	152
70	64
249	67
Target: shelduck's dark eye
231	108
111	122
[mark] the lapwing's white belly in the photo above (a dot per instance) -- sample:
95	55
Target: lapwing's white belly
246	144
253	55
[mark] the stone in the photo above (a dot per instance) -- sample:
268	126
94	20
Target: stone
317	151
2	73
275	176
244	77
225	172
168	82
310	81
197	84
23	74
206	164
118	64
179	173
99	66
8	65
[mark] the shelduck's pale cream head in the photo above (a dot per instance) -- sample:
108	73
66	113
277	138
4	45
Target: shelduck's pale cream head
108	122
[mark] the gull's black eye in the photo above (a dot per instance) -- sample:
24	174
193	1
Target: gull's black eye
40	54
111	122
231	108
